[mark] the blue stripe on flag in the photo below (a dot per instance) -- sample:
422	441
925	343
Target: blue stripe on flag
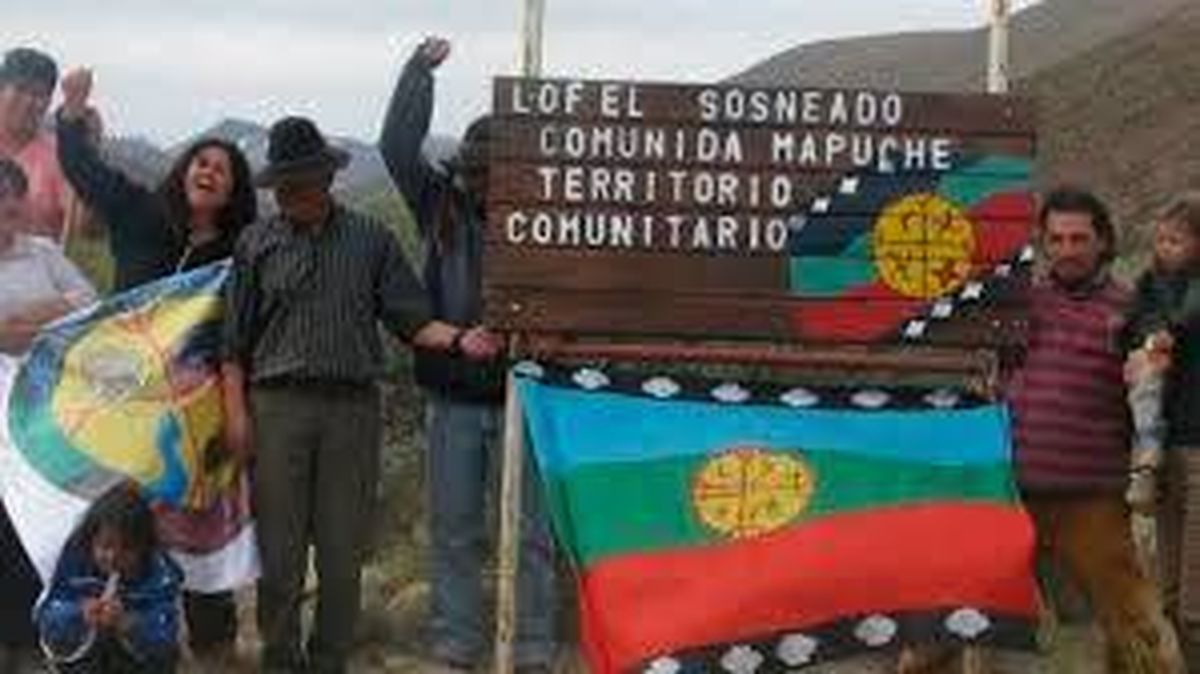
602	427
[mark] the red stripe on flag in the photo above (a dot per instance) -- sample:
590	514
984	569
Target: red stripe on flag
637	607
866	312
1003	225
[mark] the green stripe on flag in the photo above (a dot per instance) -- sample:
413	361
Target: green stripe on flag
833	276
991	175
613	509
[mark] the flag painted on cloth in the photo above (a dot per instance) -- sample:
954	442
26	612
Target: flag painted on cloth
129	390
715	526
886	247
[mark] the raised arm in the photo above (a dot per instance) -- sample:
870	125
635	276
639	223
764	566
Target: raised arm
119	201
406	125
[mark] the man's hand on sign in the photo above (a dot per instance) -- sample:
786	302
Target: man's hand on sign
433	51
479	343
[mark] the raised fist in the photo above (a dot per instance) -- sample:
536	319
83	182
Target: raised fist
433	51
76	90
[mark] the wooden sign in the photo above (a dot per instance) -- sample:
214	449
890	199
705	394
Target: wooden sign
815	215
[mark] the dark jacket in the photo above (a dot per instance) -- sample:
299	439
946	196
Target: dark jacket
451	225
150	600
144	245
1172	302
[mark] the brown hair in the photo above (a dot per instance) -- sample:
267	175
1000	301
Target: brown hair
234	216
1071	199
1184	209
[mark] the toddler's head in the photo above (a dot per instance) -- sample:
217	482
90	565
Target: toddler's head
118	532
1177	236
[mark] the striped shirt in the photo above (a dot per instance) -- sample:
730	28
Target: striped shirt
1071	422
307	305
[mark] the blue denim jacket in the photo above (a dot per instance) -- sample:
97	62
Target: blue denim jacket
150	599
453	270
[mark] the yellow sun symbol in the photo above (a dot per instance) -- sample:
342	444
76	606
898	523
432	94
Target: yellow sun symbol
923	246
748	491
119	388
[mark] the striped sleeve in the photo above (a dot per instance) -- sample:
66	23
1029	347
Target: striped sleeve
241	307
403	305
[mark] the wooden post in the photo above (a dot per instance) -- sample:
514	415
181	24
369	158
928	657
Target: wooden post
529	63
997	77
529	58
974	660
509	555
974	657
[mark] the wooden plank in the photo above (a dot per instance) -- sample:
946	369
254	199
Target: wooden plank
654	103
628	312
583	269
729	191
685	232
779	192
912	360
632	143
734	235
576	269
717	211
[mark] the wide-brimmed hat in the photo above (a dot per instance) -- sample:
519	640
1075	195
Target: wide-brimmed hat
295	146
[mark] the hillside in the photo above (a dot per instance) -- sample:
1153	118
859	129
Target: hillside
1125	117
1116	85
1042	35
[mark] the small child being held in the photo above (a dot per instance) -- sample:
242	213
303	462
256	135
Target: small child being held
112	606
1166	302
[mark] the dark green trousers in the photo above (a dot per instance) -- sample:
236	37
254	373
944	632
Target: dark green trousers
316	467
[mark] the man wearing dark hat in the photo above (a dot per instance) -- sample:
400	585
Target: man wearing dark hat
309	288
27	81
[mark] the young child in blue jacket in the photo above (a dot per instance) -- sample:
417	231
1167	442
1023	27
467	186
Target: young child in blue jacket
112	607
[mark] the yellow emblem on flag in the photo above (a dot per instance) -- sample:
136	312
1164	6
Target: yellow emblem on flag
748	491
128	399
924	246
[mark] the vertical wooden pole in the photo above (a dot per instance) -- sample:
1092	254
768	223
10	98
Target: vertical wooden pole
998	51
529	58
510	523
529	63
974	658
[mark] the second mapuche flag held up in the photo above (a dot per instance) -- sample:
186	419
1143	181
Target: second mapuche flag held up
129	390
721	527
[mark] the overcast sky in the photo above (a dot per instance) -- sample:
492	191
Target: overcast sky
168	68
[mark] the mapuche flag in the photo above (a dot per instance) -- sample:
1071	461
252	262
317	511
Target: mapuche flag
885	248
722	527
